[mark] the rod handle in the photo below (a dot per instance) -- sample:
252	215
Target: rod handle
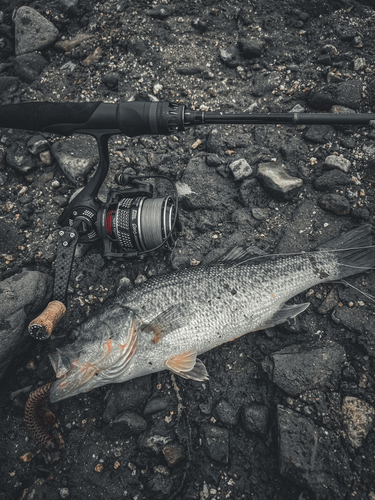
42	327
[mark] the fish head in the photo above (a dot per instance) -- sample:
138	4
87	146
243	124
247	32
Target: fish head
104	346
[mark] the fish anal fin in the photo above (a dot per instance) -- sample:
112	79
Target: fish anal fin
285	313
187	365
169	320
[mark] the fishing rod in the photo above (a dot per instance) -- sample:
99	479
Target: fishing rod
132	222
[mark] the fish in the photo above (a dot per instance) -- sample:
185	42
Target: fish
169	320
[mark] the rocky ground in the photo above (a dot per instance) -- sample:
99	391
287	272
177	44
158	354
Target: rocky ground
288	412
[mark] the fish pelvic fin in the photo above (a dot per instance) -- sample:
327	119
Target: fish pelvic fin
285	313
187	365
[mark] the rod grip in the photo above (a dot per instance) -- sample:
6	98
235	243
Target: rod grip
46	116
42	327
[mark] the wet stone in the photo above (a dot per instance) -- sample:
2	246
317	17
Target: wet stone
250	49
213	160
312	456
155	405
360	213
299	368
230	56
255	418
173	454
127	396
335	203
28	67
75	156
225	413
278	182
240	169
334	161
331	180
32	31
320	134
358	419
215	442
37	144
329	302
125	424
110	80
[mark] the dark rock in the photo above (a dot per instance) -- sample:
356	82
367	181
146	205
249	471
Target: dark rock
215	442
360	213
200	25
358	420
278	182
320	134
125	424
10	239
155	405
347	34
9	84
154	440
19	158
335	203
189	70
160	486
27	67
331	180
347	142
225	413
173	454
358	319
255	418
260	213
348	94
37	144
76	156
32	31
127	397
215	139
213	160
299	368
253	195
160	11
329	302
21	298
230	56
70	7
264	83
250	48
312	456
110	80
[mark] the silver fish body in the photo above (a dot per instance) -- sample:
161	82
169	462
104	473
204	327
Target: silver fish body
169	320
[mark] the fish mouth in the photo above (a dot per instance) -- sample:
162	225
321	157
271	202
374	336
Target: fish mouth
78	380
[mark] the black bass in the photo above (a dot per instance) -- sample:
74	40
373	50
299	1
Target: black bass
166	322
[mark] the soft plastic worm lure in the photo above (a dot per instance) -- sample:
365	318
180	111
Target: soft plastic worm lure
34	425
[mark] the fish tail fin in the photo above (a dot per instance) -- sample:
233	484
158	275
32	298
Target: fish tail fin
353	250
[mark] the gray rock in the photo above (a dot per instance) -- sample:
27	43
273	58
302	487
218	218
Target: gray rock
29	66
320	134
230	56
19	158
70	7
299	368
334	161
250	48
215	139
260	213
329	302
240	169
358	419
331	180
348	94
369	148
312	456
32	31
125	424
22	297
154	440
225	413
255	418
213	160
335	203
10	239
9	84
127	397
155	405
215	442
263	83
278	182
37	144
253	195
75	156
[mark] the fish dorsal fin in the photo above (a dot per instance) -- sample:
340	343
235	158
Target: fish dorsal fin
285	313
171	319
187	365
237	255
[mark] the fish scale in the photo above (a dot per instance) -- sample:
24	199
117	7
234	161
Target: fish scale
167	321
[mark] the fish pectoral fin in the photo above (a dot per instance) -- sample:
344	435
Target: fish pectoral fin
167	321
187	365
285	313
